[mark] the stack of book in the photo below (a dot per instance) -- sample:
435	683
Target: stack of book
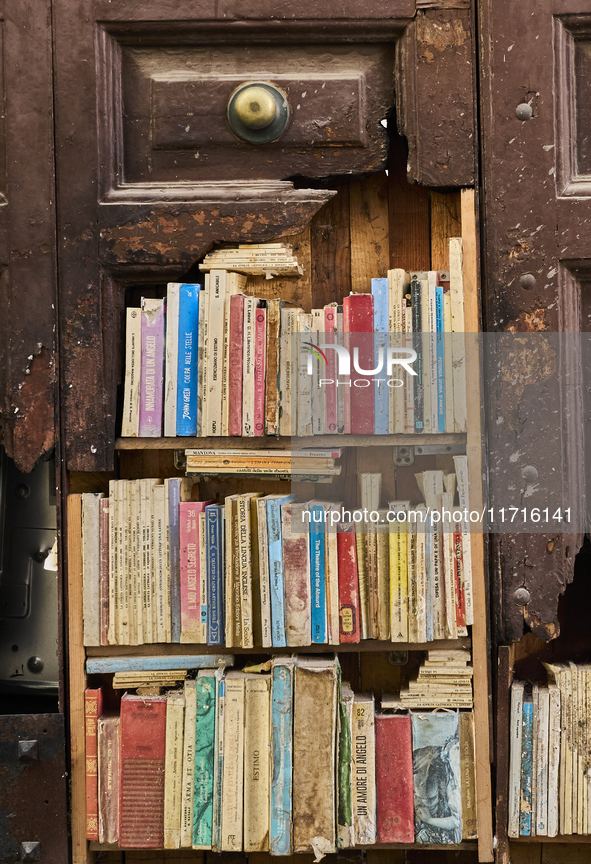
550	756
269	571
214	361
232	762
299	464
256	259
444	680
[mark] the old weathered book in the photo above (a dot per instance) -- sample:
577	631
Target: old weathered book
256	763
345	833
525	826
363	760
436	754
398	572
469	814
152	368
553	758
236	348
173	766
394	779
314	745
91	563
215	351
358	323
131	390
349	615
188	768
143	746
108	778
273	359
296	575
282	676
93	708
204	759
232	791
192	628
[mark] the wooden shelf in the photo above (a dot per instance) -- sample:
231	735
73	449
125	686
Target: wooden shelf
184	648
272	442
561	838
465	846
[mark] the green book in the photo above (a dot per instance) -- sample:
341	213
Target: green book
345	806
204	761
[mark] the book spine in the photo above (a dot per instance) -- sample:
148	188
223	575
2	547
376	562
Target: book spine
113	581
287	405
123	621
160	561
330	335
264	574
553	759
318	381
526	769
255	580
417	344
413	598
383	580
91	562
189	565
276	573
273	360
104	571
131	396
202	359
245	571
215	350
379	290
218	774
108	779
448	362
398	582
232	793
215	607
256	765
440	345
435	741
282	759
360	538
363	770
174	500
358	323
152	369
232	290
259	370
173	764
422	577
93	706
349	622
188	348
461	466
469	816
394	780
409	389
456	287
431	359
343	392
332	584
318	574
248	367
303	381
204	762
171	359
296	576
188	772
345	837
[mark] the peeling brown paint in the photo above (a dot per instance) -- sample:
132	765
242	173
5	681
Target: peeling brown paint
33	412
545	630
439	35
529	322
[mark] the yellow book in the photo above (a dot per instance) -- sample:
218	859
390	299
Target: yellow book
411	563
383	568
173	763
398	576
233	745
256	763
245	570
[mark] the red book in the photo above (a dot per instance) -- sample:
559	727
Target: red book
349	619
459	577
394	780
104	571
93	708
143	745
330	335
260	338
236	339
358	323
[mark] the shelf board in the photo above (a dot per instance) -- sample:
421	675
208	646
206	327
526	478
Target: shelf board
561	838
272	442
465	846
184	648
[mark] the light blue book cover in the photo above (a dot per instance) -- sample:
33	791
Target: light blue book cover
428	529
186	400
317	573
379	290
204	762
526	766
440	359
214	554
436	775
157	663
282	747
276	569
174	498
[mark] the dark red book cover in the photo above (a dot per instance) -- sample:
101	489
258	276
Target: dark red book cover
459	578
93	708
143	745
235	342
358	323
349	621
394	780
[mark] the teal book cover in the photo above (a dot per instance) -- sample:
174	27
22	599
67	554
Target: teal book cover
526	766
282	746
204	762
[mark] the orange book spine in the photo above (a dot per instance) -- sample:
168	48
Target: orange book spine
93	708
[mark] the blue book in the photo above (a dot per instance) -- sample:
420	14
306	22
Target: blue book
440	359
174	499
379	290
281	755
317	572
214	553
276	568
526	766
186	400
157	663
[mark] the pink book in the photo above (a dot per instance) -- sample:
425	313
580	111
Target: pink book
358	323
104	571
343	393
260	338
394	780
152	368
192	629
235	360
330	336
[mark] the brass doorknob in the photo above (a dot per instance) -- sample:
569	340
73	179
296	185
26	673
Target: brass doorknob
258	112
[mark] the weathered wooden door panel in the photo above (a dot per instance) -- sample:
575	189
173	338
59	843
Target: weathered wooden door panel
27	232
537	208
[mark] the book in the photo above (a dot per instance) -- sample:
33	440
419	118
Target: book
553	757
456	285
436	753
332	573
275	551
171	347
192	629
467	757
314	744
108	778
273	366
248	366
525	827
288	372
215	570
398	561
394	779
363	761
187	352
131	389
317	534
233	732
93	708
215	349
235	355
358	323
218	768
256	763
349	617
152	368
418	346
330	385
205	722
188	765
91	567
260	335
296	575
142	758
177	490
345	833
379	292
282	677
173	766
104	564
264	572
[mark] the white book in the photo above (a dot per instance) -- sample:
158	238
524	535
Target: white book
553	758
456	287
264	573
304	381
215	350
448	569
332	578
202	358
91	567
136	579
515	738
432	484
232	792
248	367
145	508
461	466
230	566
131	390
448	360
542	762
534	758
188	777
288	406
168	618
112	637
173	767
318	391
398	285
257	745
235	284
363	745
422	593
171	364
122	572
